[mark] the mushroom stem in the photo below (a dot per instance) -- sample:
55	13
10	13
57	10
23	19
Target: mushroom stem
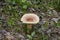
29	27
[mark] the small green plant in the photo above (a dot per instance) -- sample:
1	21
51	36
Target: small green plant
31	36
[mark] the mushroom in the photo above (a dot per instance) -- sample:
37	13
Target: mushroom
30	19
8	36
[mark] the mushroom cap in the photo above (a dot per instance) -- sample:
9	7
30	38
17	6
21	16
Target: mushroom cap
30	18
